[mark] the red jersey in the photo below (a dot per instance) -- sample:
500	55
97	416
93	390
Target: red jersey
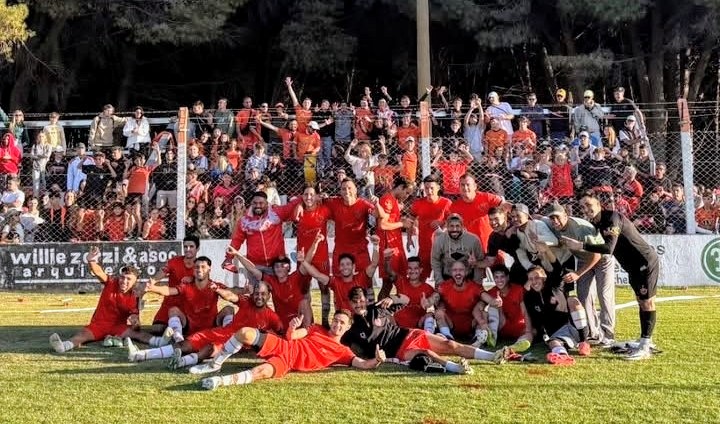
495	139
341	288
362	125
303	117
114	307
392	238
249	315
264	236
234	158
706	218
306	143
287	295
177	274
451	173
460	302
157	230
384	177
199	305
410	315
115	227
351	224
138	179
287	137
242	121
426	212
228	193
308	225
409	162
475	214
526	138
512	309
89	230
316	351
561	181
404	132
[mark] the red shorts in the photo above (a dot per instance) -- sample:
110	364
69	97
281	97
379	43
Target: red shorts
512	330
409	316
213	336
161	316
101	330
461	324
416	340
276	352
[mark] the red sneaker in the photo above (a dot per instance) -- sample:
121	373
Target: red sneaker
560	359
228	265
584	349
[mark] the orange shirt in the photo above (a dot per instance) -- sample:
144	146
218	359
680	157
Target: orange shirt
362	126
138	179
494	139
526	137
384	176
303	118
706	218
287	137
243	121
306	143
234	157
409	162
404	132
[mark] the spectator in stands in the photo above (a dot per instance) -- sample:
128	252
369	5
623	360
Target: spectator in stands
40	155
496	137
609	140
246	127
630	135
137	130
154	227
75	176
559	122
660	179
219	225
364	121
237	210
55	133
595	170
326	123
103	127
258	160
344	118
138	177
524	136
502	111
303	114
16	125
12	231
451	169
650	216
13	197
223	118
114	227
674	208
535	114
99	177
119	162
632	189
529	178
362	165
10	157
164	177
407	129
219	165
408	162
588	115
493	175
199	121
276	170
621	109
644	163
227	189
31	219
707	216
196	161
474	129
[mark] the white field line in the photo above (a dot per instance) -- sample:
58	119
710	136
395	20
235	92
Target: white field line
59	311
664	299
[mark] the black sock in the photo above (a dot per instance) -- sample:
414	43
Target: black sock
647	323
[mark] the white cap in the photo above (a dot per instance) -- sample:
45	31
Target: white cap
314	125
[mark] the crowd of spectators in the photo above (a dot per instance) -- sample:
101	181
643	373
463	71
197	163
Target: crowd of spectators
122	183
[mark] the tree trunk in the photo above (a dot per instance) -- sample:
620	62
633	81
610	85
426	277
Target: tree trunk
128	65
701	68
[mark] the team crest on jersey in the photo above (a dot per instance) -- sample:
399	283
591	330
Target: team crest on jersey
363	336
643	290
612	231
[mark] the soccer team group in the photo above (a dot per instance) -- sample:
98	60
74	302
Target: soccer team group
560	266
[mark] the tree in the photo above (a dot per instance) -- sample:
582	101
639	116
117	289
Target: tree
14	30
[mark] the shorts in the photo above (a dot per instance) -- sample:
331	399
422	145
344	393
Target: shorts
161	316
415	340
567	334
100	331
644	280
213	336
462	324
409	316
276	352
512	330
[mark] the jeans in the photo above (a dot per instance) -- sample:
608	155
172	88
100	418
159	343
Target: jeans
39	183
325	154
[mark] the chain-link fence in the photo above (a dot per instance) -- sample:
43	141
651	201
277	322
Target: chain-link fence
124	191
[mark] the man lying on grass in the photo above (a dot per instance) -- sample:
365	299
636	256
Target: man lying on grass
302	350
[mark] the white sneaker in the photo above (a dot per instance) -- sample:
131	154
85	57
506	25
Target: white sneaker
174	362
56	343
466	368
108	342
133	351
481	337
211	383
639	354
176	336
167	336
502	355
204	368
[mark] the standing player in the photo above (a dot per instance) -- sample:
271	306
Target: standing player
347	276
116	314
459	309
311	219
474	206
198	307
410	285
390	225
289	289
638	258
302	350
178	270
430	213
204	344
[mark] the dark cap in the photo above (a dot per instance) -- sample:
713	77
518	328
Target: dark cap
556	209
454	217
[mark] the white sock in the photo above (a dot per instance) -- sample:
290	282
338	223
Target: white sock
579	318
560	350
430	325
644	342
244	377
175	324
68	345
493	321
451	366
231	347
484	355
155	353
188	360
445	331
157	341
227	319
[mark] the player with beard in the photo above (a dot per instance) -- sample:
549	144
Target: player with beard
347	275
503	242
178	270
635	255
262	229
507	316
474	206
456	244
410	285
116	315
302	350
252	311
430	213
374	327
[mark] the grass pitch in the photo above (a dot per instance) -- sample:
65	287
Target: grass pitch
97	385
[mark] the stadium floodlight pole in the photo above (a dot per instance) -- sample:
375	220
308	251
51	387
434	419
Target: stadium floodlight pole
686	147
422	17
181	138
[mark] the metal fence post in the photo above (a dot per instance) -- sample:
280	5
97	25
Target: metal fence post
181	137
425	138
686	146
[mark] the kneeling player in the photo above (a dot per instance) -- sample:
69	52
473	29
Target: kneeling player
301	350
116	314
507	316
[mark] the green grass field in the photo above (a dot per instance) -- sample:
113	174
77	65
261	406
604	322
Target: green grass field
96	384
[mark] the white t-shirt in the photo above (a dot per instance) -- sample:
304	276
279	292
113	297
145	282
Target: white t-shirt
9	198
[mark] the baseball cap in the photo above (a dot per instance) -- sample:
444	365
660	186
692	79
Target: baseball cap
454	217
493	94
619	89
584	133
561	91
80	146
630	118
556	209
588	93
314	125
279	104
521	208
